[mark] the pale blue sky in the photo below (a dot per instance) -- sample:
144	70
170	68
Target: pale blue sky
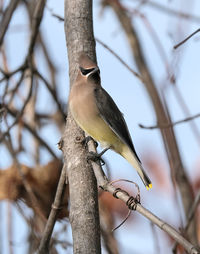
131	97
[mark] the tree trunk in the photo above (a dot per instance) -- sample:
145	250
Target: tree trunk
84	215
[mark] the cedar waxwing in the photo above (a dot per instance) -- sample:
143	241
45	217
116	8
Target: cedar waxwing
97	114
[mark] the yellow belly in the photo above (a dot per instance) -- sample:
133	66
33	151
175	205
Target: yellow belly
89	119
100	131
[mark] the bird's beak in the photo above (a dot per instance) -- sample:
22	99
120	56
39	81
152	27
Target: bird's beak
96	69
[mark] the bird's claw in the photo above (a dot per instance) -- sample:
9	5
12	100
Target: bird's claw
95	157
89	138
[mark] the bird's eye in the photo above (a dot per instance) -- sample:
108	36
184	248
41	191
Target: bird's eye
86	71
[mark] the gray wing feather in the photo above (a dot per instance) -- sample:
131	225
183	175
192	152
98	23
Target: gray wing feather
113	117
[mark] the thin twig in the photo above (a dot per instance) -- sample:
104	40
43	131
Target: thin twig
171	11
5	20
190	217
12	92
193	210
44	46
164	126
20	113
37	18
7	75
184	107
124	196
61	19
108	48
168	135
119	58
155	38
34	133
26	184
129	212
52	92
45	241
187	38
28	220
51	65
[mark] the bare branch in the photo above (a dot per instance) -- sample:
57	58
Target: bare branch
44	243
168	136
44	47
61	19
109	49
37	17
7	75
190	217
120	59
125	197
52	92
184	107
20	113
162	126
187	38
6	18
167	10
193	210
34	133
27	186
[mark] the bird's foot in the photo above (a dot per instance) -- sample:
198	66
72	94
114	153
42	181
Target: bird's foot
89	138
97	156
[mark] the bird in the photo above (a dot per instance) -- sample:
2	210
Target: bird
94	110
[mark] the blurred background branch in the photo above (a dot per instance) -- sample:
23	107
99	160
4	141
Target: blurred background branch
33	109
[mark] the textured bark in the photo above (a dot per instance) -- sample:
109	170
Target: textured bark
84	216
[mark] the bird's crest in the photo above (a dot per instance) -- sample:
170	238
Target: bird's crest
86	62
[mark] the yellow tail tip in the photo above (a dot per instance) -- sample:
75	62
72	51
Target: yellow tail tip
149	186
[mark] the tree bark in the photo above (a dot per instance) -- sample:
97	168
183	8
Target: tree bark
84	215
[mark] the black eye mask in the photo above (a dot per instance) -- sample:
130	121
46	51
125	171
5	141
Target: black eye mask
85	71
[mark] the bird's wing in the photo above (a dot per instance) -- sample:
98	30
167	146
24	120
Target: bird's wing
113	117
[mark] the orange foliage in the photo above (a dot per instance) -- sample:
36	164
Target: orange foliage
43	181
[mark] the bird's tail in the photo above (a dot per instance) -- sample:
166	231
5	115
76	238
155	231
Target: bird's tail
131	158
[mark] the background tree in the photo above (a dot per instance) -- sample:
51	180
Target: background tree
33	112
